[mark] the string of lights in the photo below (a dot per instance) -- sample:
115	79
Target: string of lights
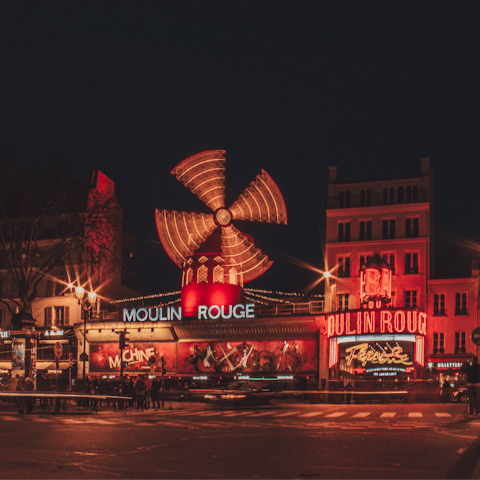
281	300
272	292
255	300
146	297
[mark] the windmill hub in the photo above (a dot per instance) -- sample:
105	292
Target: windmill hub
223	216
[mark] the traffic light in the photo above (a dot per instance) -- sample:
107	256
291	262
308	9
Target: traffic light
122	340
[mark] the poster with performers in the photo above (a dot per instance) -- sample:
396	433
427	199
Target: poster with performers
271	356
18	355
106	357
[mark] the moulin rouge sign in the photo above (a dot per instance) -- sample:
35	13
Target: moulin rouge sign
385	320
204	312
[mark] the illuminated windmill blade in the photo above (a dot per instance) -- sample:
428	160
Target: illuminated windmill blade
204	175
240	253
181	233
260	202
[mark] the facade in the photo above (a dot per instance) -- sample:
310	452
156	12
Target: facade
385	314
28	347
424	327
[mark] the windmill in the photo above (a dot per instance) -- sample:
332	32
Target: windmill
216	257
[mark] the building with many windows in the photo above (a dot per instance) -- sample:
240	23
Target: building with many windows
390	314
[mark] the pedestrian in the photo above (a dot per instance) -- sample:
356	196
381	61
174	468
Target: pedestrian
29	400
131	392
348	392
21	399
148	390
140	392
154	394
472	370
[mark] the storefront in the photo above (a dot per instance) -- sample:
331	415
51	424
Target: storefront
375	343
216	350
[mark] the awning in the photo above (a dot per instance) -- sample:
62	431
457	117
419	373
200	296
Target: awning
52	366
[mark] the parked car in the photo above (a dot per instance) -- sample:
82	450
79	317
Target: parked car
460	395
244	393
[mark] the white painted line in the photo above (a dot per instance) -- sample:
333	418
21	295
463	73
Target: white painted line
388	415
311	414
263	414
286	414
415	414
442	414
336	414
362	414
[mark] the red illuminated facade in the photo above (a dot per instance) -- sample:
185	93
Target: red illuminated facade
389	225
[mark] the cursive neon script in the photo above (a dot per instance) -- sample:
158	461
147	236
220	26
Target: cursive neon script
365	352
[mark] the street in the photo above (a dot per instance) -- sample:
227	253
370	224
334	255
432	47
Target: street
281	441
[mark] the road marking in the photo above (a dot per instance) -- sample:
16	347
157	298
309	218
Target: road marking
263	414
236	414
415	414
286	414
362	414
442	414
311	414
209	414
388	414
336	414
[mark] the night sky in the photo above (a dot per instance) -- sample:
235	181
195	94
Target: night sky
134	88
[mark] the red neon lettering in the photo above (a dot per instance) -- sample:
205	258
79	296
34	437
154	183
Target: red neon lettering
386	321
348	325
369	322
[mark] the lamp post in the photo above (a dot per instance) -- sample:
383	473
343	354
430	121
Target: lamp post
86	305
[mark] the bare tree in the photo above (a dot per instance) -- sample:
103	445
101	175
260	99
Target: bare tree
50	221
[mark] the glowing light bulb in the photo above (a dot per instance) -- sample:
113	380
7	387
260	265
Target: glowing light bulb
326	274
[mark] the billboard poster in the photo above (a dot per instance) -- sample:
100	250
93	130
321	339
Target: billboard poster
106	357
377	359
270	356
18	356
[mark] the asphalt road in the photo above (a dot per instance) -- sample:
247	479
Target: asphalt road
284	441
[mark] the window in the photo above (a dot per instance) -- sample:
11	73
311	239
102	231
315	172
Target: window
343	267
459	342
411	228
3	320
390	259
438	343
460	304
344	199
366	230
57	316
364	259
218	274
411	263
189	278
389	196
202	274
400	195
232	276
411	298
344	232
343	301
366	197
439	304
388	229
412	194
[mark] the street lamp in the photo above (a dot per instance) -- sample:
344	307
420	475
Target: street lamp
86	305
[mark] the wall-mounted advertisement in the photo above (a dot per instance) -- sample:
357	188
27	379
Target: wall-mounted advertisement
138	357
18	355
273	356
377	358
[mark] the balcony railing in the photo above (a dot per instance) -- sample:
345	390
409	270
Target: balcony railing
355	201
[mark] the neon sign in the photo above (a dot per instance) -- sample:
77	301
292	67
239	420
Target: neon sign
203	313
367	353
382	321
4	334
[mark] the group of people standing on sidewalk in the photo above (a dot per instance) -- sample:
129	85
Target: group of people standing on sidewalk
146	392
472	370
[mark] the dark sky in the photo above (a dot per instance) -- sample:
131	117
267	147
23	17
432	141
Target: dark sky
133	88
